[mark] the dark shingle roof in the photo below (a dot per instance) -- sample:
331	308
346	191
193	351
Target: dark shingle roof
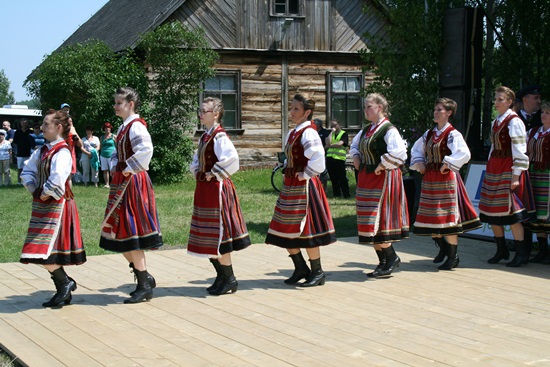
120	23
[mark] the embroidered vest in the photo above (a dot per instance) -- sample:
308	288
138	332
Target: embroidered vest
296	161
124	144
373	147
205	152
437	148
500	138
45	165
538	151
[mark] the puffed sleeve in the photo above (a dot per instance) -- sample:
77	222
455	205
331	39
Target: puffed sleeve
418	152
314	152
460	153
194	165
29	175
59	173
397	150
142	147
354	148
516	129
228	158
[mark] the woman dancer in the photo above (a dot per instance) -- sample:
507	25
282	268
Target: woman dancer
54	238
378	152
506	197
538	150
223	229
444	210
302	216
131	222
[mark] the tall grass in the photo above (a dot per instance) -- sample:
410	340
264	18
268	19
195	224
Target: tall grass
175	205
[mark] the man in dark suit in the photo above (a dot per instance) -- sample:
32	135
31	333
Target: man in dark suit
530	98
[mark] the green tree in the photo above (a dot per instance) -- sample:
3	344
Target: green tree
179	61
31	103
6	97
86	76
406	60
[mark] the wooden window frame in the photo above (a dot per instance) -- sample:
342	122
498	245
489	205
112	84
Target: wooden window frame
329	76
238	108
301	10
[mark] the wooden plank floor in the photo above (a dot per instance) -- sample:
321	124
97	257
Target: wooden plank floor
477	315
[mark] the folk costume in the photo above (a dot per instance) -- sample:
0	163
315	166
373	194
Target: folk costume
302	217
302	214
382	212
538	150
131	219
217	224
499	205
444	206
54	236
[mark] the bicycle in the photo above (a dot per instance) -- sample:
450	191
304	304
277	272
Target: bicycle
278	172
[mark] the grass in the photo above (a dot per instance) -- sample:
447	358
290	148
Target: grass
175	205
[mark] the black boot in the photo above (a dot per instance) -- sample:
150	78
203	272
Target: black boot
381	262
229	282
452	259
301	270
502	251
316	277
443	249
543	250
392	261
520	256
64	285
144	291
150	278
219	276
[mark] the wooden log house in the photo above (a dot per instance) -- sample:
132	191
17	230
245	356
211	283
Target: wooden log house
269	50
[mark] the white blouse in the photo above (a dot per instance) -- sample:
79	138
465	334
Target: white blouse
313	150
518	135
60	170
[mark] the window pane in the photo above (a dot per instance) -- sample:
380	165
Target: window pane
212	83
293	6
354	119
280	6
338	84
352	84
229	102
227	83
229	119
354	103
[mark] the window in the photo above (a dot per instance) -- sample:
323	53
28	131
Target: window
226	86
345	99
286	7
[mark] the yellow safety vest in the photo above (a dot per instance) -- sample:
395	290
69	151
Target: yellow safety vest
340	152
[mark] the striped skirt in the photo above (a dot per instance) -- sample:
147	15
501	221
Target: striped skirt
131	219
540	182
54	235
498	205
444	207
217	224
302	216
382	212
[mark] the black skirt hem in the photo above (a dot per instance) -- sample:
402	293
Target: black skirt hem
152	242
379	239
448	231
282	242
57	260
235	245
519	217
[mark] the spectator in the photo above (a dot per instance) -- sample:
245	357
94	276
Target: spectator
89	160
24	141
5	158
38	137
66	108
108	148
9	137
337	143
530	98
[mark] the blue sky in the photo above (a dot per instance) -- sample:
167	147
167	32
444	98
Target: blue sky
32	29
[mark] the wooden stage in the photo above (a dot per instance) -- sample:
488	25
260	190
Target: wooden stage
477	315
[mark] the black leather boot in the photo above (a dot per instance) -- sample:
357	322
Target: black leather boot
144	291
229	282
452	259
301	270
392	261
520	256
543	250
443	249
150	278
502	251
219	276
64	286
381	262
316	277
